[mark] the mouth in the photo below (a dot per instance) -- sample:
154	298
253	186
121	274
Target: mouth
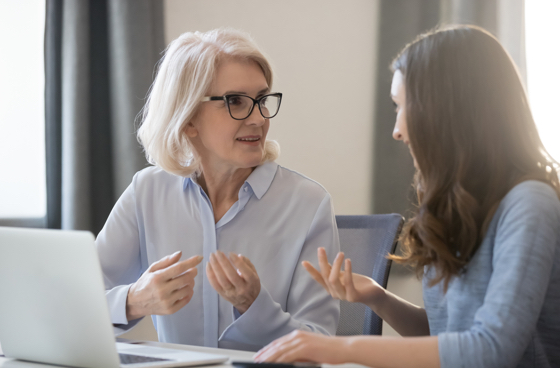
250	139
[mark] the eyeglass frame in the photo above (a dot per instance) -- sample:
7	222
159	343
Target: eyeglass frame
255	102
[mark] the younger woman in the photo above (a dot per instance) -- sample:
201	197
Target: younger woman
486	235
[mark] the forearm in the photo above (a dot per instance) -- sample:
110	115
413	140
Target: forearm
404	317
387	352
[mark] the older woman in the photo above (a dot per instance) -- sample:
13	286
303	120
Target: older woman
216	195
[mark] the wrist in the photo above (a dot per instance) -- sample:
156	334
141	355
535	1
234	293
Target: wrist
346	352
241	309
376	300
132	310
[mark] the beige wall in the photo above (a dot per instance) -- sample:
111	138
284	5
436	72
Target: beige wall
323	54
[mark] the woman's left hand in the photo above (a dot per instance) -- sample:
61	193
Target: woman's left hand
234	278
303	346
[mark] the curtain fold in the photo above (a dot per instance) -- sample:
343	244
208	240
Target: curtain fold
401	21
99	62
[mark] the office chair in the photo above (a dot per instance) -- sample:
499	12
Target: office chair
366	240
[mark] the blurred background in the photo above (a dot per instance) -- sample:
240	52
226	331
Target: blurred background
74	74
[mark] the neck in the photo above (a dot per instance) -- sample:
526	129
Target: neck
222	186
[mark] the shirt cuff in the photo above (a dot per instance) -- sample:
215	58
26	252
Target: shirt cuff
251	326
449	350
116	299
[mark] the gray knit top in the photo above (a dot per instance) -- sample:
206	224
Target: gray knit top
504	310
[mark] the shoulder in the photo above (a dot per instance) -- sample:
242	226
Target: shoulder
527	221
301	186
154	177
291	190
530	198
293	177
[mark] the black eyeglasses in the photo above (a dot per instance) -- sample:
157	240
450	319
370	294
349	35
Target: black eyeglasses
240	107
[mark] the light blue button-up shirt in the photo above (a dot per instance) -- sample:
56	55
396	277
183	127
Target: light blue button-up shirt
279	220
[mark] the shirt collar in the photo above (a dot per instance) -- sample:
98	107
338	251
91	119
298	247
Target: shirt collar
259	180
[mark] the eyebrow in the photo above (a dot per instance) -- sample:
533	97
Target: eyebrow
261	92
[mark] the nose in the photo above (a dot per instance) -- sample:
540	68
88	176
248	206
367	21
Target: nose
397	134
255	118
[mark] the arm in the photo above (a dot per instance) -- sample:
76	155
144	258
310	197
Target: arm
118	246
524	249
308	306
164	288
373	351
406	318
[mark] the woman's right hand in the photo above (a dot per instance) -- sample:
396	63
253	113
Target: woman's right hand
344	285
165	287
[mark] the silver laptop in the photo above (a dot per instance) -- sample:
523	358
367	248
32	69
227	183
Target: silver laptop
53	307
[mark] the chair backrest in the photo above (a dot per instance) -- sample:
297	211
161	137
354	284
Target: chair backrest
366	240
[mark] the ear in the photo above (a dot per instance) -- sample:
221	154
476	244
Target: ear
190	130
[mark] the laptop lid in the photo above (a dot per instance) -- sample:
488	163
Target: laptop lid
52	302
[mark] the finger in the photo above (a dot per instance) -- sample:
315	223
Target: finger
165	262
324	265
316	275
219	273
248	262
182	293
212	278
348	280
268	349
269	352
229	271
334	277
183	297
282	352
180	267
245	268
181	281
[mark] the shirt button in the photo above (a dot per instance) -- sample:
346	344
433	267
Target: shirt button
245	189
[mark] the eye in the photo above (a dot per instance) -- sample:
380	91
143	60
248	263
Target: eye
263	101
234	100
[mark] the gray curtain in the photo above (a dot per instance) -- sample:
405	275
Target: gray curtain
400	22
100	58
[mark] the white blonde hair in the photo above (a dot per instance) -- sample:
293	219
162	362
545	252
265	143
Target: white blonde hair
185	74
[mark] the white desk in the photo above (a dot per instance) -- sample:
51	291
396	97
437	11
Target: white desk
233	355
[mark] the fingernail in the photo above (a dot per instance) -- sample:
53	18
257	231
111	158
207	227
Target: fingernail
199	258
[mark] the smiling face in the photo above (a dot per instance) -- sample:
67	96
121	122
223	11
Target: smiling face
398	94
220	140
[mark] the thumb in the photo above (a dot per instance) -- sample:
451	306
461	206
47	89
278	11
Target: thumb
165	262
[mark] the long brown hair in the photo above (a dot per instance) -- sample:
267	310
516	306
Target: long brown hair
473	137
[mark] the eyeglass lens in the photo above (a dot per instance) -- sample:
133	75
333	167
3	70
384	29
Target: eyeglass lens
240	106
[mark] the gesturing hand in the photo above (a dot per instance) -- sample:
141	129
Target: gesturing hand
344	285
165	287
234	278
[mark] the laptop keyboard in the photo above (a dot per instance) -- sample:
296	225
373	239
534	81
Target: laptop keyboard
133	359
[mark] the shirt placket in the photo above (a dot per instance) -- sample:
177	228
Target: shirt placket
210	296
